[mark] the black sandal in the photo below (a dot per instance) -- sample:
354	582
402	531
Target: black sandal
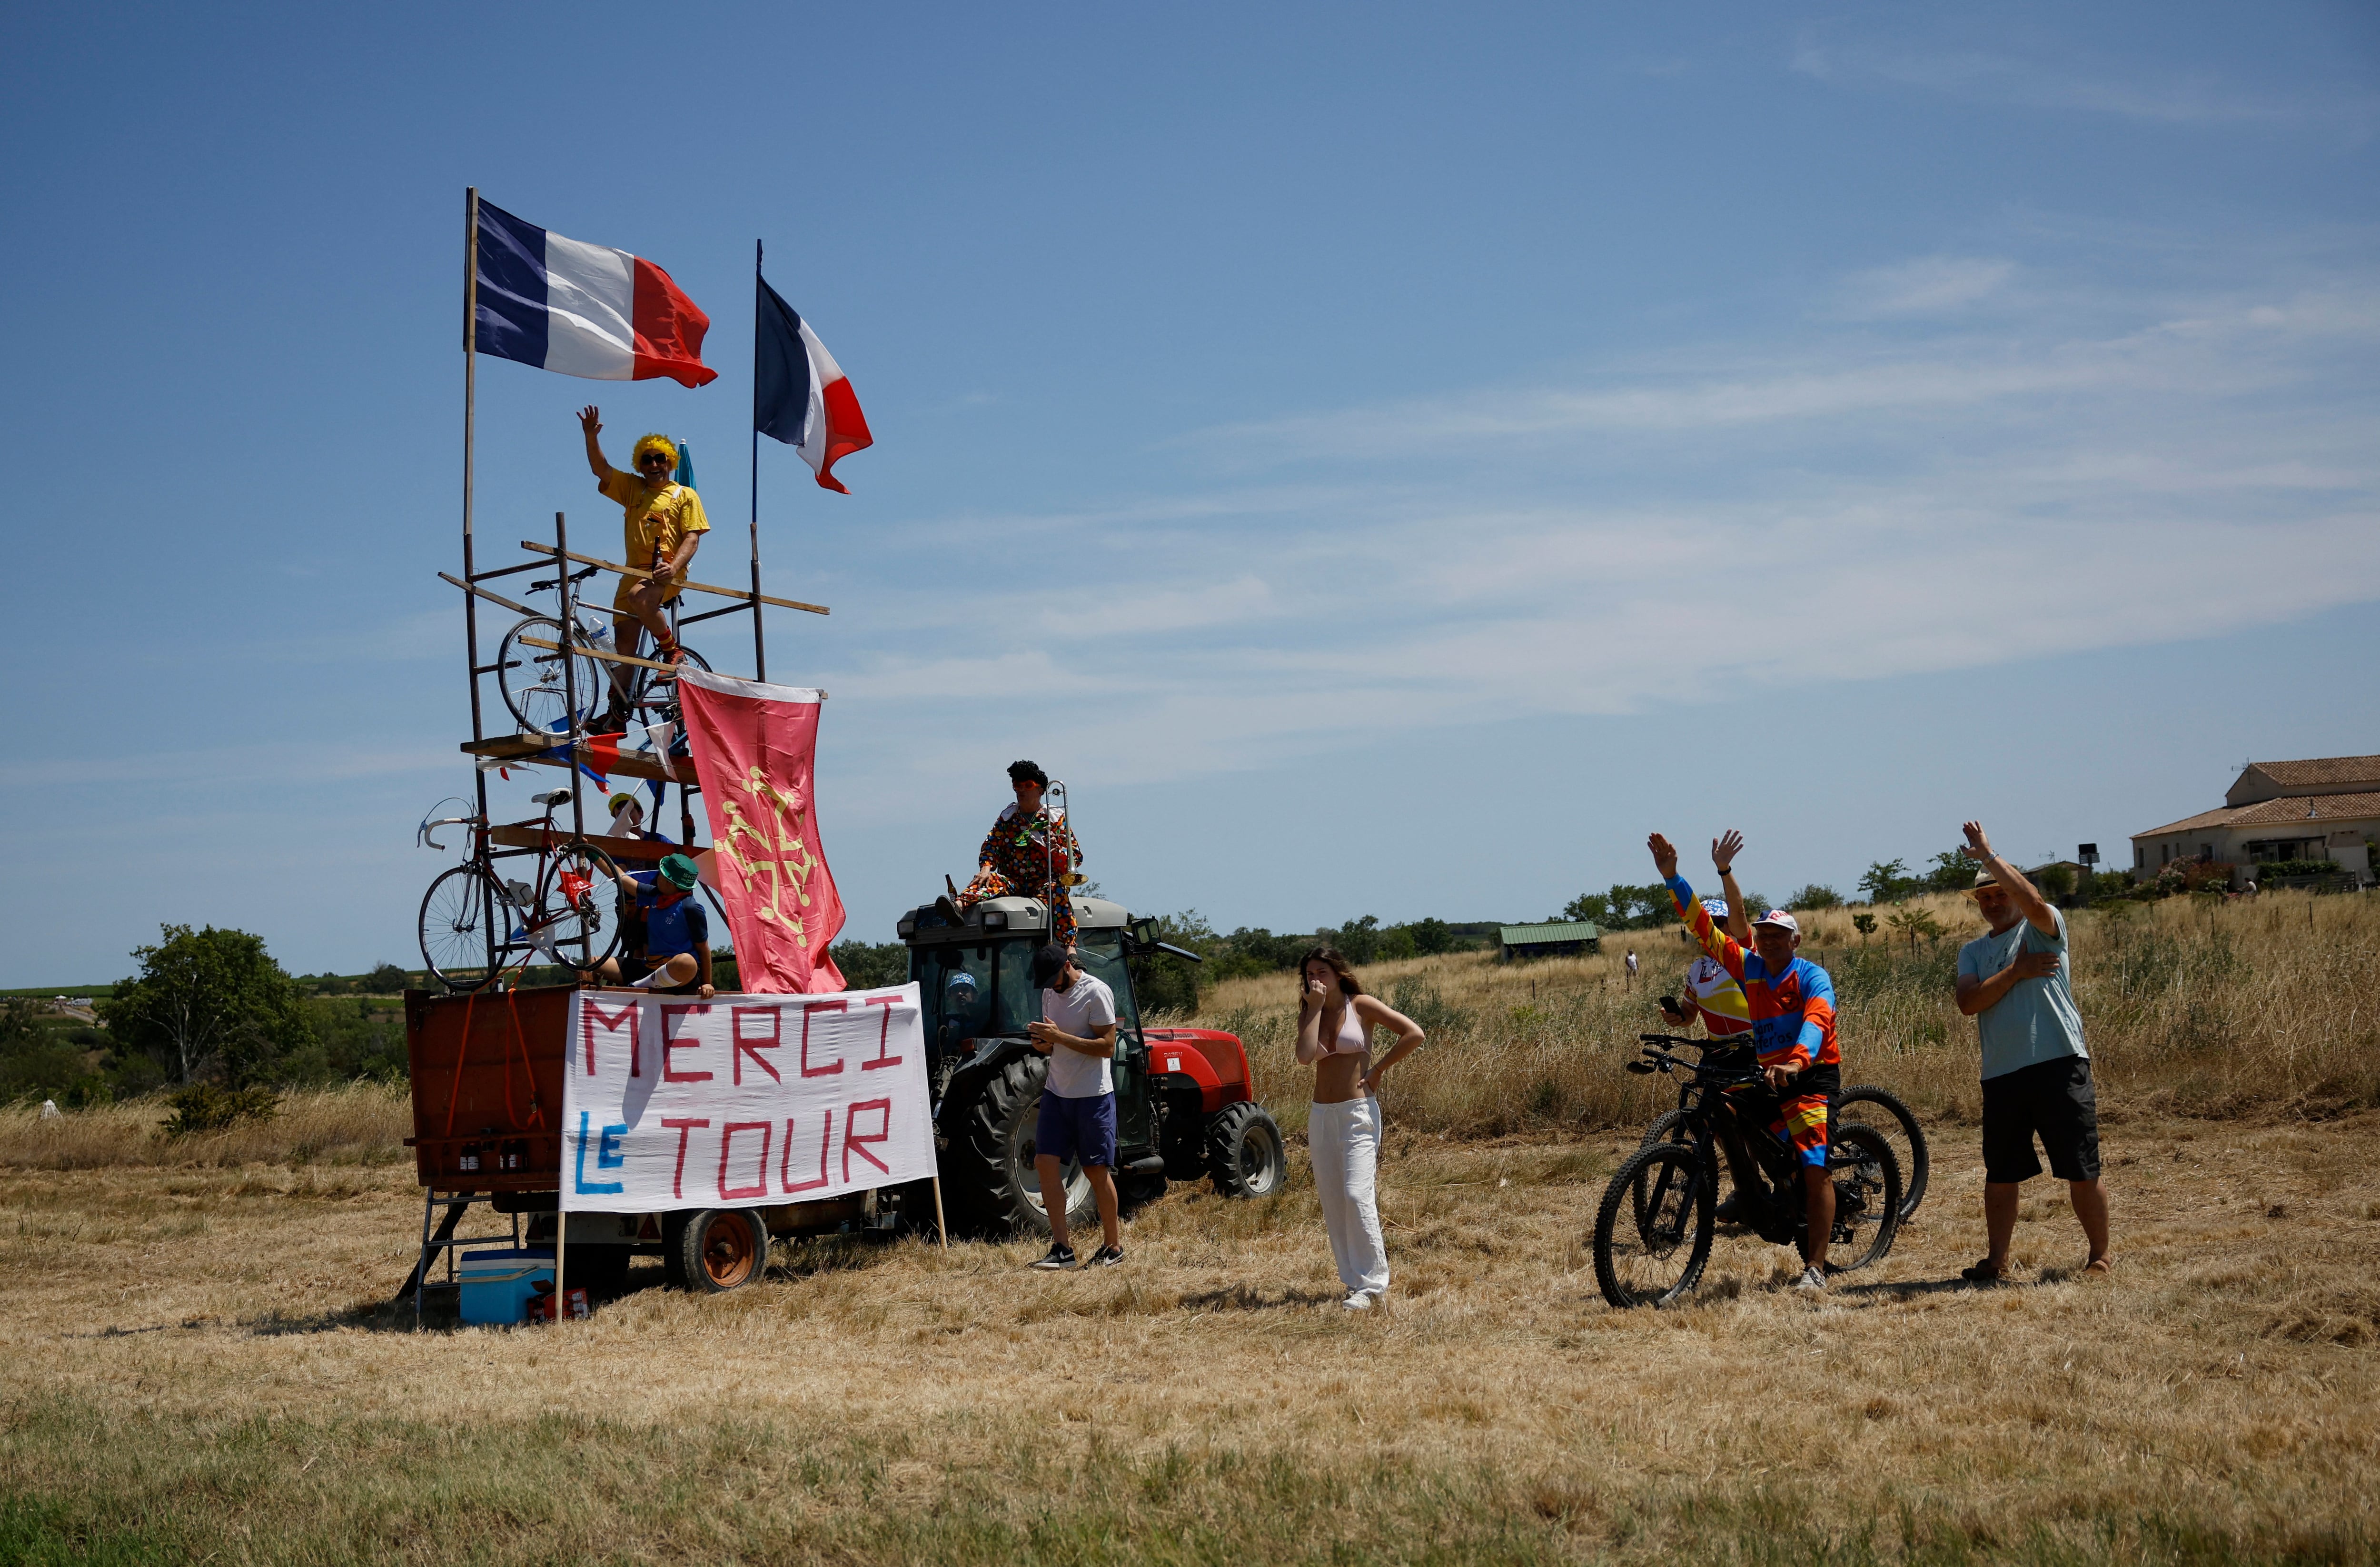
1984	1272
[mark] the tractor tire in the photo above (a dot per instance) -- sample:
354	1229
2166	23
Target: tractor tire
718	1249
989	1183
1244	1152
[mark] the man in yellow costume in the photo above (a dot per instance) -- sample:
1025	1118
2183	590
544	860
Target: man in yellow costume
665	526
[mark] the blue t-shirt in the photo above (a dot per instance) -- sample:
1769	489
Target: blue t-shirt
679	928
2036	1021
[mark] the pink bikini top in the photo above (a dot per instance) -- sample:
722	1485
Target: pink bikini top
1353	1038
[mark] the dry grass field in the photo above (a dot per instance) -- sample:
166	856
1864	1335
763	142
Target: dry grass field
199	1368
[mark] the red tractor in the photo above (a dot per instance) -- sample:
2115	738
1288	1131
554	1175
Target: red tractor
1186	1103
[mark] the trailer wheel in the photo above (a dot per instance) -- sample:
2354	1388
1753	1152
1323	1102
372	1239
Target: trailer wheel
717	1249
1244	1152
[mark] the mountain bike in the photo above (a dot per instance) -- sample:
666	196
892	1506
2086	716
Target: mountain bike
543	698
477	922
1862	1104
1654	1228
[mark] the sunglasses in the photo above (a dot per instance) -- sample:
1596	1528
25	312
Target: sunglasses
649	459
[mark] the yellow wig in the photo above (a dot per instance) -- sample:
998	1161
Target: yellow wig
661	444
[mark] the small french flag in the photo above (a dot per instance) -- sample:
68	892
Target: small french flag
799	395
582	310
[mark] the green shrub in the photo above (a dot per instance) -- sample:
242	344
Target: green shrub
2272	870
1816	895
210	1107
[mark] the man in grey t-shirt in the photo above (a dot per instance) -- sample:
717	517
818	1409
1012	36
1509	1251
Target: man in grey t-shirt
2036	1073
1078	1119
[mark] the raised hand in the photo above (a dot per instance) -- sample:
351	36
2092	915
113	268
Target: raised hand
591	419
1665	855
1724	848
1979	846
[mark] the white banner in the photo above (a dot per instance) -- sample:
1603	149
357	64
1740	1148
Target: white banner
741	1101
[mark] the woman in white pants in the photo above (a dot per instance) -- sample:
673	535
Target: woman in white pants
1335	1020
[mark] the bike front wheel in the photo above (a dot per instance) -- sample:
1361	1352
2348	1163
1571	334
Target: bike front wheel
531	679
1880	1110
1867	1196
1652	1229
458	925
573	915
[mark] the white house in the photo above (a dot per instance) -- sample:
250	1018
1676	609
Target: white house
2321	808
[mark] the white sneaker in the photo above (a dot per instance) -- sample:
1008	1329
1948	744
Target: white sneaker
1813	1282
1358	1301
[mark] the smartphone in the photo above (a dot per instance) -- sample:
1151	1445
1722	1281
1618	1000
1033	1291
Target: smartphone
1671	1002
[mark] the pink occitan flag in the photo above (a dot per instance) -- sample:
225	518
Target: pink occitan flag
753	747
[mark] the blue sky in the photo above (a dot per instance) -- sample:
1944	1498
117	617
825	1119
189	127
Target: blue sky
1386	459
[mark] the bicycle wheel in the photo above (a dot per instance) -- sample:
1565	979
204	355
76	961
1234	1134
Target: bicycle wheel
1859	1105
1656	1260
656	692
1867	1195
571	915
532	678
458	940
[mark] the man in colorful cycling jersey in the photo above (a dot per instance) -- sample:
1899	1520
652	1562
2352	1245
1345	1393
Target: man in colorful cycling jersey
665	943
1714	996
1792	1005
1029	853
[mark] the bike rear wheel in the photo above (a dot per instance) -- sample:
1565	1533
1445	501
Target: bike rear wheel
1652	1229
573	908
1864	1104
655	698
458	927
532	678
1866	1174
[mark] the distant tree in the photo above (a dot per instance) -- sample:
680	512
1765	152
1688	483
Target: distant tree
1396	941
1358	939
1431	937
385	979
1951	871
869	965
1865	924
1624	907
2057	881
208	1001
1162	982
1915	924
1889	882
1594	908
1816	896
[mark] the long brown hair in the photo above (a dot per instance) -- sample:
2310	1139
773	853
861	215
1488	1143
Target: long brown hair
1348	984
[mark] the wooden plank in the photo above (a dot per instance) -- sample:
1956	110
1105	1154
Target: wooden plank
599	654
529	750
492	598
618	569
520	835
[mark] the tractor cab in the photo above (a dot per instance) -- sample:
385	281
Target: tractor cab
1177	1090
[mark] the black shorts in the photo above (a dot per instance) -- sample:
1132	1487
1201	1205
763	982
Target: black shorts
635	968
2054	1099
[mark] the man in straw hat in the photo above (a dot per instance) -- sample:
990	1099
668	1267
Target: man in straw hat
665	526
2036	1073
670	932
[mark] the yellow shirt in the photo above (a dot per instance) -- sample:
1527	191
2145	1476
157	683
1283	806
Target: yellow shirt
658	520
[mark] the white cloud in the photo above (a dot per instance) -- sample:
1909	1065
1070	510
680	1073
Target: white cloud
2140	93
1653	533
1930	285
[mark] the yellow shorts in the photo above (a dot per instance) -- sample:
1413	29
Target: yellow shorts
620	596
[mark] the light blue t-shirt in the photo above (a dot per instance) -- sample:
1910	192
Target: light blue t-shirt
2036	1021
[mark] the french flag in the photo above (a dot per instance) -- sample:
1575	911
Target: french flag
799	395
582	310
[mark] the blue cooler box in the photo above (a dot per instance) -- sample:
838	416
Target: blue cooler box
498	1285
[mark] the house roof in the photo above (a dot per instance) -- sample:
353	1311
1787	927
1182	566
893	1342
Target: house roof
2321	770
1552	930
2290	810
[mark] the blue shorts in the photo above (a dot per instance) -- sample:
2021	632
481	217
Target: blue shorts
1080	1130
